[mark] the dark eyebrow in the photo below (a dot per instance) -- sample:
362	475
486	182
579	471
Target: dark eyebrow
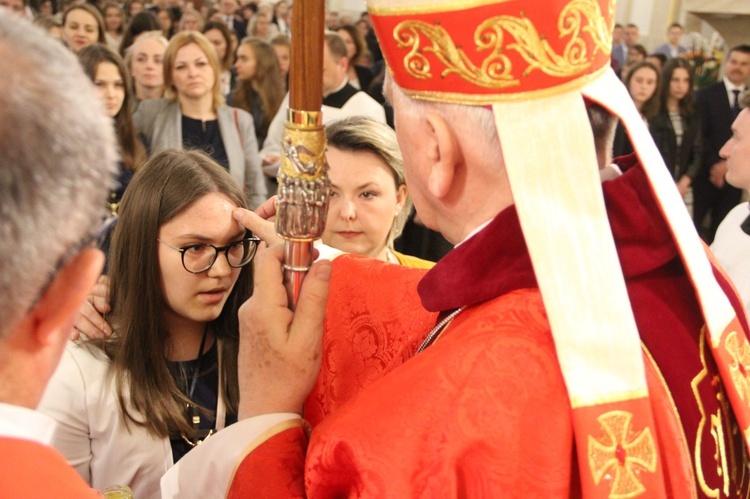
203	239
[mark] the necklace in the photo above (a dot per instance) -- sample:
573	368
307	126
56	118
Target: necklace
438	330
191	410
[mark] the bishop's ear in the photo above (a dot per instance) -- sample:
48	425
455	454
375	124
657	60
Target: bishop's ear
444	154
53	315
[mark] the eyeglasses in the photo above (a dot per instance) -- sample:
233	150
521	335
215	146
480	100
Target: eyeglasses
197	258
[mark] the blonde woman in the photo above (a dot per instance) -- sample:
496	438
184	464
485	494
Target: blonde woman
193	114
145	61
369	199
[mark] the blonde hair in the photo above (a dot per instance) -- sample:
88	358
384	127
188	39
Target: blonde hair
146	35
183	39
362	134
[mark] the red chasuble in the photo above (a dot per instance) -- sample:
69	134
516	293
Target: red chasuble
484	411
30	470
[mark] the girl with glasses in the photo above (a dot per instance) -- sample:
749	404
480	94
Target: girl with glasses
131	405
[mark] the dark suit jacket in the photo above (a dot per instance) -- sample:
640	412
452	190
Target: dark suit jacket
715	115
688	157
239	26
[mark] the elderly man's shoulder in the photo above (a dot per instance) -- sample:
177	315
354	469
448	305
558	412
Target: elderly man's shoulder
35	464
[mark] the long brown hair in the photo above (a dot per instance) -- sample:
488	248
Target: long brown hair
686	103
132	152
96	15
359	43
219	26
169	183
267	79
650	107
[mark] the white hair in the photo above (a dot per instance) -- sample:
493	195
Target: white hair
477	119
57	157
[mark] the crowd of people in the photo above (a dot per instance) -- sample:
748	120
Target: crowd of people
251	43
185	339
688	125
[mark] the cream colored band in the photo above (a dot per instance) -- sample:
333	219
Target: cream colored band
558	195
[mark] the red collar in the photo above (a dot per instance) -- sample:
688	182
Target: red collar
495	261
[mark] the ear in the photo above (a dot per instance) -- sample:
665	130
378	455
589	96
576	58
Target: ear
444	155
53	315
344	63
401	195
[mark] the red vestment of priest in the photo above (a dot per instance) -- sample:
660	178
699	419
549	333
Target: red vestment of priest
31	470
483	412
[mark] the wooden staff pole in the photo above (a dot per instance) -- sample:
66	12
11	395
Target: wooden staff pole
303	181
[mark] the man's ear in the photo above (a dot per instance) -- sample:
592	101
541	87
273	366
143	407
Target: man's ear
444	154
55	311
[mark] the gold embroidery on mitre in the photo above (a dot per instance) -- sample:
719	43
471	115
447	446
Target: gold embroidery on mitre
739	369
621	454
496	71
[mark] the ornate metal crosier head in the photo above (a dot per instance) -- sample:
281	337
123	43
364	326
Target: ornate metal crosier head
304	187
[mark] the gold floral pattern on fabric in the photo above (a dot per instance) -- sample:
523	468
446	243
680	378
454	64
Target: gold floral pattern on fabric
578	18
620	454
740	365
715	429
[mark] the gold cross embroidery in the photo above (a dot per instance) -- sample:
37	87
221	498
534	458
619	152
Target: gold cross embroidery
740	366
620	455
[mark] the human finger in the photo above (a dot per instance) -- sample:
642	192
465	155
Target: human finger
259	226
268	209
90	322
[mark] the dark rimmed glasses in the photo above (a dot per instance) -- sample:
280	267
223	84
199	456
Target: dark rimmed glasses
200	257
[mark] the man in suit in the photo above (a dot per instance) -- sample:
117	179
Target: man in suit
57	156
619	49
231	19
672	48
717	106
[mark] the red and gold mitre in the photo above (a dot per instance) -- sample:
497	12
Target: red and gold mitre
482	52
535	65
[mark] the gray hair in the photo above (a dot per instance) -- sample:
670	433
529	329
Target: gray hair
359	133
745	99
478	119
57	157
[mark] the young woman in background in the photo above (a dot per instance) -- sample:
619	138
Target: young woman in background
675	128
193	114
107	70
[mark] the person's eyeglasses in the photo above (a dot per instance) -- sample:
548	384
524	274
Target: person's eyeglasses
197	258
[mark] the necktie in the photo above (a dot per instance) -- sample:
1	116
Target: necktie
736	103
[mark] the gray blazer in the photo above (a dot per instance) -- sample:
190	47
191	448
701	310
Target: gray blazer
160	122
664	49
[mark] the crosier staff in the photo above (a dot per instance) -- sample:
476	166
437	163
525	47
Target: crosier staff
303	194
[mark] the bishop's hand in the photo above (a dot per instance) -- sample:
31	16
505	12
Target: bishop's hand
280	350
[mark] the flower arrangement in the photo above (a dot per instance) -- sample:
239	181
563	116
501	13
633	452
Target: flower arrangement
705	58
